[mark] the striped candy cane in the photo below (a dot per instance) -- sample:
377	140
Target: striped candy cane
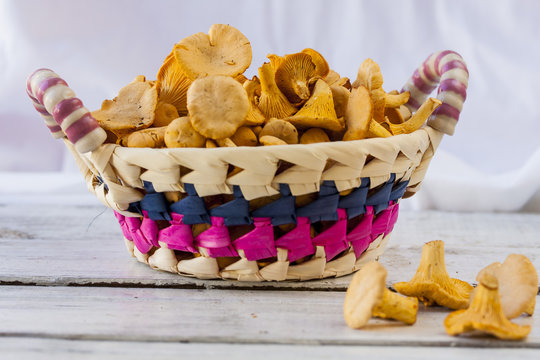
448	70
64	114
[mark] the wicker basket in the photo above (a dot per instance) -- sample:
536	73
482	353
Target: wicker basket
260	220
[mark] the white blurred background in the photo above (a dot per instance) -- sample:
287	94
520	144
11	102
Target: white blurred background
492	163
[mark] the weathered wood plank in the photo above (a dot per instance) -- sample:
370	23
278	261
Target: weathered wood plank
208	316
32	348
67	244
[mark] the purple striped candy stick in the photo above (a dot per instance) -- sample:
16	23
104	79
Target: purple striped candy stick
52	96
448	70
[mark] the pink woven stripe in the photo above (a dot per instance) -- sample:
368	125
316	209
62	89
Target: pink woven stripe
29	79
360	236
414	103
423	86
149	229
334	239
216	240
178	236
298	240
54	128
45	85
65	108
448	110
259	242
454	64
81	127
426	69
41	109
438	59
454	86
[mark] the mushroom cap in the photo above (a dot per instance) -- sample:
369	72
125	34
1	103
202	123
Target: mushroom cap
318	111
365	291
172	84
268	140
485	314
321	66
223	51
217	106
341	95
281	129
314	135
369	75
165	113
272	102
151	137
133	109
293	75
358	114
255	115
518	283
431	282
180	133
244	136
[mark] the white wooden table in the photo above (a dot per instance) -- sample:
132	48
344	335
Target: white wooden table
68	289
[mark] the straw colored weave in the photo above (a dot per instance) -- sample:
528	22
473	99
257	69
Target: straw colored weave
123	169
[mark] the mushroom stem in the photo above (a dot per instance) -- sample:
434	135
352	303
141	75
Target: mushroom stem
417	119
485	314
432	284
397	307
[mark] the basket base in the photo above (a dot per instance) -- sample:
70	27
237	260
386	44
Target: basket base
205	267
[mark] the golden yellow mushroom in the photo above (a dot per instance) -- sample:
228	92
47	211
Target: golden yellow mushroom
254	116
272	102
368	296
223	51
280	129
318	111
180	133
485	314
217	106
314	135
518	284
172	84
293	75
432	284
417	119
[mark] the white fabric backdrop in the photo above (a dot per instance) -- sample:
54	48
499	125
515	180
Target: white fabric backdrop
492	163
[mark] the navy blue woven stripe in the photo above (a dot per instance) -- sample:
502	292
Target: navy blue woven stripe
154	203
355	202
234	212
192	207
280	211
325	207
380	199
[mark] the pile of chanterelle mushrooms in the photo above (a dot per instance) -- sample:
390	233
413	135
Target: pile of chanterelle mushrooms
201	98
505	291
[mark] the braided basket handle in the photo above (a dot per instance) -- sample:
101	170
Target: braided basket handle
448	70
64	114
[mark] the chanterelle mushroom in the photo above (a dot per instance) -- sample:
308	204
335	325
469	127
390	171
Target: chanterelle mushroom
217	106
318	111
485	314
432	284
223	51
280	129
518	284
172	84
272	102
368	296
